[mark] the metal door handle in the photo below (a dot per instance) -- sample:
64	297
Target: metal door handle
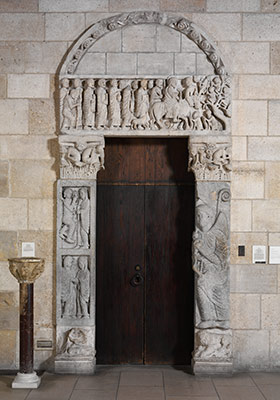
137	280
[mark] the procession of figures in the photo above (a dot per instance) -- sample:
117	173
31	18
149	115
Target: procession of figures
75	222
191	103
75	287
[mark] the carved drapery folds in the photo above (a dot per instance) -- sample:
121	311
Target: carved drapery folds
81	157
210	158
193	103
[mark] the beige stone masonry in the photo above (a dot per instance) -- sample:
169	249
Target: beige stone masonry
12	57
247	239
73	5
167	40
21	26
246	57
9	310
274	118
18	6
259	86
32	179
275	57
275	347
245	311
273	239
133	5
188	46
140	38
28	86
109	43
3	86
43	308
222	26
42	120
248	180
251	349
253	279
261	27
44	243
203	66
121	64
40	213
64	26
4	179
155	64
7	281
265	214
8	348
239	148
183	5
185	63
92	62
13	117
8	245
270	5
27	148
272	180
13	214
241	215
233	5
264	149
43	57
270	314
93	17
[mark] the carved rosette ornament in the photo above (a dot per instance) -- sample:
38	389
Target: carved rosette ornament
26	269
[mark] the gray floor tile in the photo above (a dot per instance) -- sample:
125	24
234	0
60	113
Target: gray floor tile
239	393
266	378
141	378
6	391
140	393
101	380
177	377
235	380
93	395
191	388
54	387
192	398
270	392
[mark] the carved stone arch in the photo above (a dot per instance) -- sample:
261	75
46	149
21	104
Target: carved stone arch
207	123
105	26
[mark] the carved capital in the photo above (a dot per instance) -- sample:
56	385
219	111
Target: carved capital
81	157
210	158
26	270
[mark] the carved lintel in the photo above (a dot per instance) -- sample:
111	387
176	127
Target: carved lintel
81	156
213	345
210	158
193	103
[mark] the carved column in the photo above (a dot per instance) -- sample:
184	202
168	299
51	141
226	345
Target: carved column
82	156
210	160
26	271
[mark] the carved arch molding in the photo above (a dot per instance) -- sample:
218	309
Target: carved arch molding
92	108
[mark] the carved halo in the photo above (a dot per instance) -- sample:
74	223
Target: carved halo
105	26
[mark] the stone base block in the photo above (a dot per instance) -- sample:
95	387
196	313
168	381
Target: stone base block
212	367
75	366
26	381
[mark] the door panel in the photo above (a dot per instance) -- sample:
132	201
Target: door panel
169	283
120	238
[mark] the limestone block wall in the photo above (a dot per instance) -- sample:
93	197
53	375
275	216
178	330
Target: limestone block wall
34	37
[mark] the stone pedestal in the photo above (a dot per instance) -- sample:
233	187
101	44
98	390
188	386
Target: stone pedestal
26	271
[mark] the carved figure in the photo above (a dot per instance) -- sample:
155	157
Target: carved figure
64	91
213	345
89	105
134	86
210	263
126	105
68	288
142	107
76	94
171	99
76	344
114	111
83	218
68	112
68	216
83	288
102	102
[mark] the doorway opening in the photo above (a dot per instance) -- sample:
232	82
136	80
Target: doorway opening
144	281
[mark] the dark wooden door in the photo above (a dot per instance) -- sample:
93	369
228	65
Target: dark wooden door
145	213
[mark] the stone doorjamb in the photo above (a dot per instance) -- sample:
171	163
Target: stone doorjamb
91	108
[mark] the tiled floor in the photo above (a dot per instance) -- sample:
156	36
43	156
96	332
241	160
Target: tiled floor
147	383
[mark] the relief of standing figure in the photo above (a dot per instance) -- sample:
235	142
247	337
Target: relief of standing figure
142	106
171	99
126	105
64	91
76	94
83	218
114	110
68	288
89	105
83	288
68	217
102	102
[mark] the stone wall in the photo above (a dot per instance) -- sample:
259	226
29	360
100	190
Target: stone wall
34	37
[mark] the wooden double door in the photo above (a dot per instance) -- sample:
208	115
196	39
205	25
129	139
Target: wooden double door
145	220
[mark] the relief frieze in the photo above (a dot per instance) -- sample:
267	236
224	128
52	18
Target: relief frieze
193	103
